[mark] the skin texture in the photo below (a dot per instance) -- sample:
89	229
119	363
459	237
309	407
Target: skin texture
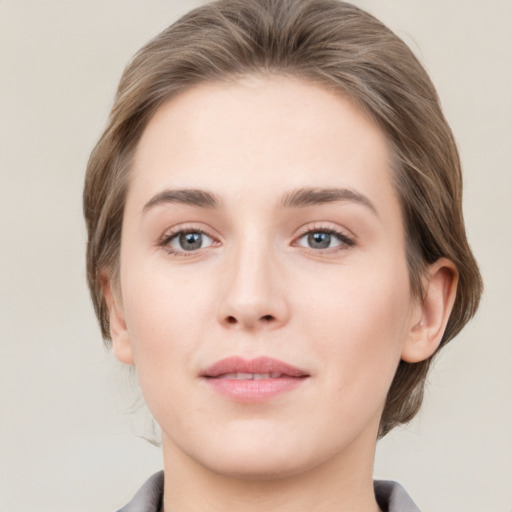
345	314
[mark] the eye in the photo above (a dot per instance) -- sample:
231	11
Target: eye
324	239
188	241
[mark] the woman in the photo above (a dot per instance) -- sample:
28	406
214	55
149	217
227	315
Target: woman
276	243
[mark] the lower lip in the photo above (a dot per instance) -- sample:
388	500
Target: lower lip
242	390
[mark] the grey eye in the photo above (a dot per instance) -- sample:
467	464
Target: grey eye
320	240
190	241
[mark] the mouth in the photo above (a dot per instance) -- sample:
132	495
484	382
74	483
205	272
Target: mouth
251	376
253	380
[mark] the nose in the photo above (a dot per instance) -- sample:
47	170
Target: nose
254	292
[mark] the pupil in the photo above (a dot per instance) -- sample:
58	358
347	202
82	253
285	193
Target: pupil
191	241
319	240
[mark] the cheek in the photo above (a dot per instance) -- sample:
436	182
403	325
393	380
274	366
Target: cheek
166	319
359	320
166	316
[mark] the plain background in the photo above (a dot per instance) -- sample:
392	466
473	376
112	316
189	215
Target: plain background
66	434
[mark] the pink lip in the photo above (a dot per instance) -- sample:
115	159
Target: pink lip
284	377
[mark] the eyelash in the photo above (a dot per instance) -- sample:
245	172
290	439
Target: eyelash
169	236
345	241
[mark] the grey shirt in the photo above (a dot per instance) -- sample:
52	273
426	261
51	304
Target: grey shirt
391	496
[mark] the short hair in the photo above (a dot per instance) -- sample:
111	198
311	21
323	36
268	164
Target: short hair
326	42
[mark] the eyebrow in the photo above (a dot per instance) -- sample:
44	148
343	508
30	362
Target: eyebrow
299	198
303	197
188	196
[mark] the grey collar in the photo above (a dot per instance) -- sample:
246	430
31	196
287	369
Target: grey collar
391	496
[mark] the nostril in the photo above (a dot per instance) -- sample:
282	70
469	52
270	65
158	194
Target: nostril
234	320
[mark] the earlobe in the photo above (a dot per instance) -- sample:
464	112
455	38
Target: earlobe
121	345
428	326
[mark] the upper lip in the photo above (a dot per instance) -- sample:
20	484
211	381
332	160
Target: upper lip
263	364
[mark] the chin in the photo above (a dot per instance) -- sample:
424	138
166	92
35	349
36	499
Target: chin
266	457
264	467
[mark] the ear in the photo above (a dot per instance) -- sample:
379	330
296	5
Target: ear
121	345
432	312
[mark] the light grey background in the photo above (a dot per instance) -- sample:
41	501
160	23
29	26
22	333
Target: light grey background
66	442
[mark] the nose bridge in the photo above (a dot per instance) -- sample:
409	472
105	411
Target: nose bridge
253	293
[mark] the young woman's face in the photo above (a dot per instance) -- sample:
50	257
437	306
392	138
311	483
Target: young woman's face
264	292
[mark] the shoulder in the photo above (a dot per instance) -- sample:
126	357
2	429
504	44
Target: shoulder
392	497
149	497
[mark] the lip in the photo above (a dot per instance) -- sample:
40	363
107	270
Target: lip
273	377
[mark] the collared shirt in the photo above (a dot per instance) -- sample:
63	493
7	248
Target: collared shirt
391	496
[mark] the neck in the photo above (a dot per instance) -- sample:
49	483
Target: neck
343	483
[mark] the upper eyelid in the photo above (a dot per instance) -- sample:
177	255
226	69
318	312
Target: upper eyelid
326	227
187	228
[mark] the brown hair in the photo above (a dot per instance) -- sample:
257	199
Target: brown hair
329	42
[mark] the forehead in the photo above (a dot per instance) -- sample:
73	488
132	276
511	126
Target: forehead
260	133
